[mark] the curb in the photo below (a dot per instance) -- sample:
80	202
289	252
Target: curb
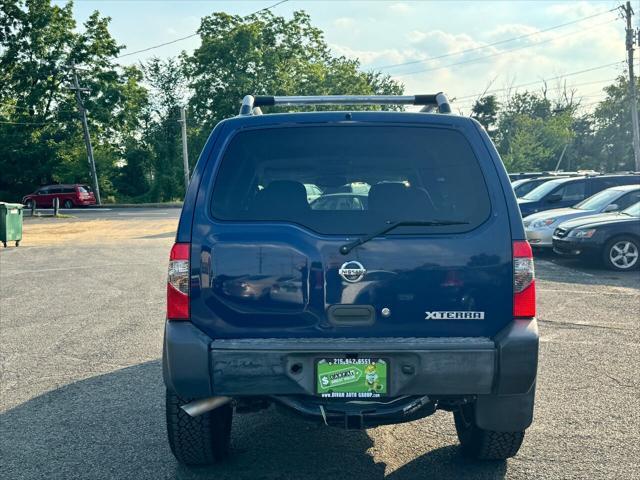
137	205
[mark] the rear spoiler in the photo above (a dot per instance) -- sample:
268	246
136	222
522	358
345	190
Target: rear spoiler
436	101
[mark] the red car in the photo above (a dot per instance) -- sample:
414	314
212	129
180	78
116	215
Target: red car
69	196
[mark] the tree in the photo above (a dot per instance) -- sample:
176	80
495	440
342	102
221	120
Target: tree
265	54
613	139
485	111
531	135
42	137
161	136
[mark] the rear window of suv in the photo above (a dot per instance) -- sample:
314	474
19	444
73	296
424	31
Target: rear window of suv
404	174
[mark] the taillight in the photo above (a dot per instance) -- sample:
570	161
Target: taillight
524	283
178	283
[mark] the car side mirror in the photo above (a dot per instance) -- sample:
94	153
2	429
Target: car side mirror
555	198
612	207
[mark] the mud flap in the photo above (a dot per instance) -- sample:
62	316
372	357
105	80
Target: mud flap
505	413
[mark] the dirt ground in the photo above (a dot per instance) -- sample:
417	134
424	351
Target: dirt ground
49	231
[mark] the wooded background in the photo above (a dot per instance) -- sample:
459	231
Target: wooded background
134	110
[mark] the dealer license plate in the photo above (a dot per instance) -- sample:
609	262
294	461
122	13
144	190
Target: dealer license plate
352	377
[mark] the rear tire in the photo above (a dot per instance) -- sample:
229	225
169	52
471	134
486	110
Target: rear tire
481	444
29	204
622	253
68	204
201	440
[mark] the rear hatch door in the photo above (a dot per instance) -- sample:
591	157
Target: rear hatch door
267	261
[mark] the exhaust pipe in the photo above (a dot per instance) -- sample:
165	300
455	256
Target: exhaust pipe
204	405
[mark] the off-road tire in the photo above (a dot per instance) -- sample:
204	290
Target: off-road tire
481	444
201	440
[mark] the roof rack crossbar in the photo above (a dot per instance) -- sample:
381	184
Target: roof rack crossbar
431	101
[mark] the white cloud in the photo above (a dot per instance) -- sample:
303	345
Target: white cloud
509	30
575	9
369	58
569	49
400	7
415	36
344	22
604	46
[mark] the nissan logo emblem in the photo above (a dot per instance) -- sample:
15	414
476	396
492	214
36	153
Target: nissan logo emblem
352	271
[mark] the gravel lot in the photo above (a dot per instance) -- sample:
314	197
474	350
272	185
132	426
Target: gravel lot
81	392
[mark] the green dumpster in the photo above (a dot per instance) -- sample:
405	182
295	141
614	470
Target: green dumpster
10	223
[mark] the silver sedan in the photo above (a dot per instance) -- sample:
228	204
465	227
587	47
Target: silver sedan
539	227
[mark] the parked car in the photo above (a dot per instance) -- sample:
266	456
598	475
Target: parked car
613	238
340	201
565	192
525	185
424	300
555	173
313	192
69	196
539	227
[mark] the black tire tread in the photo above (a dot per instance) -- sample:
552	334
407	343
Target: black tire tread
481	444
201	440
498	445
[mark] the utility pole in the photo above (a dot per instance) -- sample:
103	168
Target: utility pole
561	157
185	153
628	12
85	130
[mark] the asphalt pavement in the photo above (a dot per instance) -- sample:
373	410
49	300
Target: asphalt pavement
81	393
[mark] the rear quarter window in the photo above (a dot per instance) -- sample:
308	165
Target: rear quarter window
383	173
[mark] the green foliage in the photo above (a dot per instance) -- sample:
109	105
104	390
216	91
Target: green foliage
531	136
264	54
42	136
613	129
485	111
531	131
134	111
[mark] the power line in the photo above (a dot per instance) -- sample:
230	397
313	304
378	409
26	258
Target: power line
17	107
193	34
156	46
500	42
570	74
24	123
469	102
583	84
503	52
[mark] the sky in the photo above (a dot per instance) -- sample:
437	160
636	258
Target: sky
385	33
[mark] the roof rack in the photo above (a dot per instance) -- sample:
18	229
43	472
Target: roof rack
251	104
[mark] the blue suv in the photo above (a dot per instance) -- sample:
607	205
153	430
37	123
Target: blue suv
362	313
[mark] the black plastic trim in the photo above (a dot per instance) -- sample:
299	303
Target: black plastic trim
185	360
264	101
517	357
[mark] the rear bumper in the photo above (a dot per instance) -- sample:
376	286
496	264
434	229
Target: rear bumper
500	372
194	365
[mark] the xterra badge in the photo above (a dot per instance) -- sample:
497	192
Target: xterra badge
454	316
352	271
